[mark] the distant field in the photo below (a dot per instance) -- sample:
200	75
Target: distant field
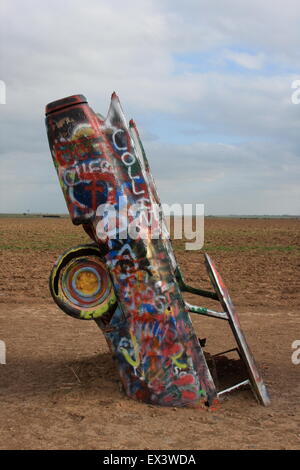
30	216
223	234
264	253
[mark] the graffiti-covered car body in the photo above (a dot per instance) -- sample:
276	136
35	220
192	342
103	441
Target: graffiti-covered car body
126	281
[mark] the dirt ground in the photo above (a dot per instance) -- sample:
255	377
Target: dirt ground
59	388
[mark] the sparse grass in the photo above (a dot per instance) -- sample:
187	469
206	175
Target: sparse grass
39	234
53	234
179	246
248	254
238	248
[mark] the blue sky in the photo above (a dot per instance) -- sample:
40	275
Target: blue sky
208	83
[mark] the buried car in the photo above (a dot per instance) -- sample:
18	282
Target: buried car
128	280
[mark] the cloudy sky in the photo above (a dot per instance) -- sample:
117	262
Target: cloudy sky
209	84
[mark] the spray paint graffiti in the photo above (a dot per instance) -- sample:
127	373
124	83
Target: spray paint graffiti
102	161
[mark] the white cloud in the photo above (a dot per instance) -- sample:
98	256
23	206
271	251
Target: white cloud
249	61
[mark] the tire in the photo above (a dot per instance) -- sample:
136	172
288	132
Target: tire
80	283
